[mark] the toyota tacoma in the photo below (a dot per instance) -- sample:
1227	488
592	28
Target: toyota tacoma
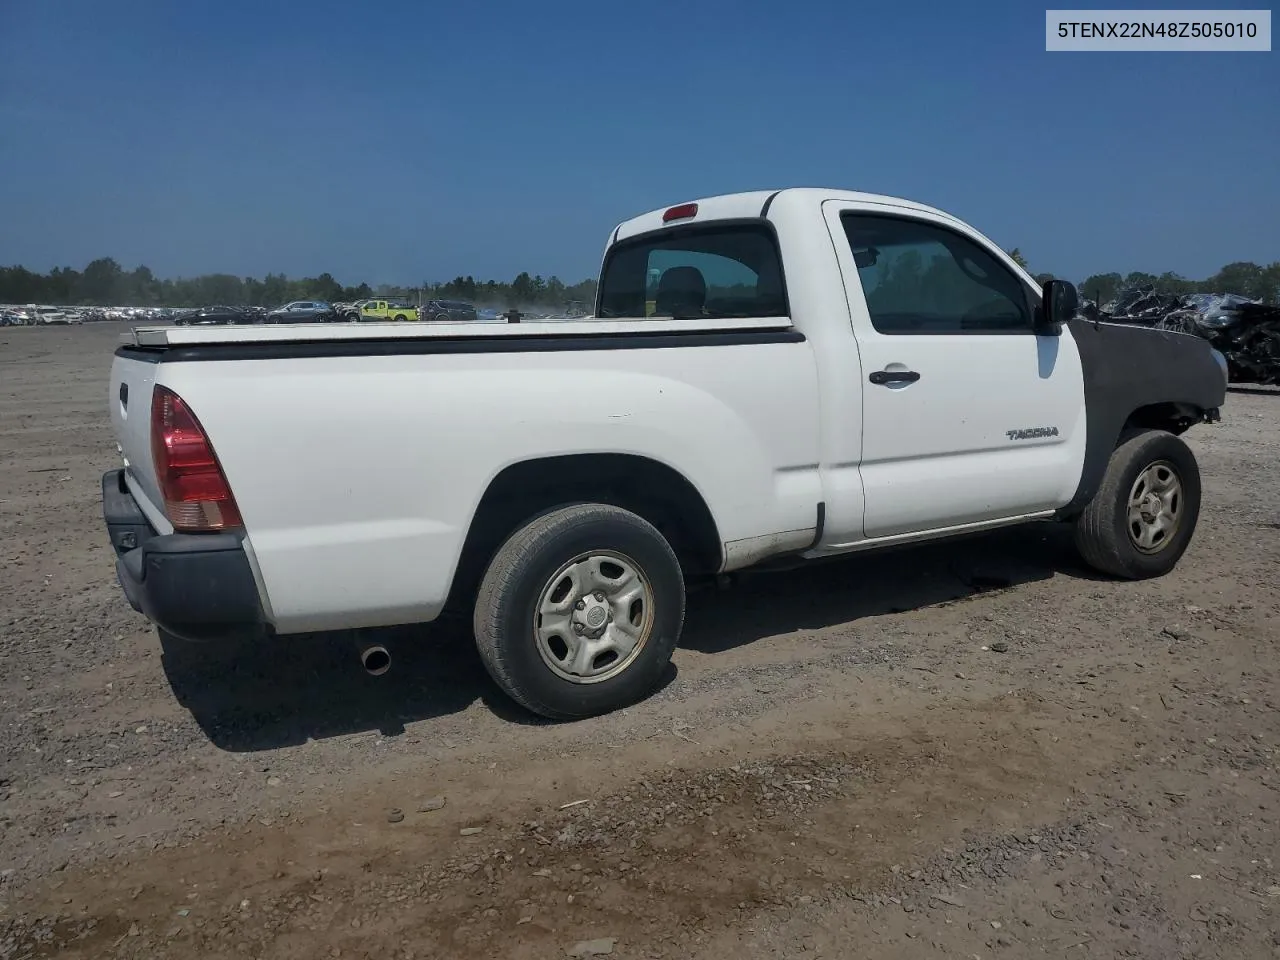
770	377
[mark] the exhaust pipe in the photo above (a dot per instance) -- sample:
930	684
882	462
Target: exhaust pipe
376	660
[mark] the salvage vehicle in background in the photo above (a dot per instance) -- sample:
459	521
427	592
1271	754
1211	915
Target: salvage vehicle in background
303	311
820	372
399	310
1244	331
450	311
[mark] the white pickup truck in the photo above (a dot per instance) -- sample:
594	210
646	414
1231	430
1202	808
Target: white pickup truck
766	377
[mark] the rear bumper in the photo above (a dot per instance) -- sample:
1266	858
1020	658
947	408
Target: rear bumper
194	586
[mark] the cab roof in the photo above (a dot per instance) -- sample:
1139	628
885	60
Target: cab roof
751	205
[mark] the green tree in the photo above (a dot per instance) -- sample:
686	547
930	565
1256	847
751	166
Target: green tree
1243	278
1269	283
1102	287
522	291
1016	256
61	285
100	282
141	287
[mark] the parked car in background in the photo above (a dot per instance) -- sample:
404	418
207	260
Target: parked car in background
399	310
445	311
49	315
303	311
205	316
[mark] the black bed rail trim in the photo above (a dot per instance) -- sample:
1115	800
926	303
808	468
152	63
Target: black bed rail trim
298	349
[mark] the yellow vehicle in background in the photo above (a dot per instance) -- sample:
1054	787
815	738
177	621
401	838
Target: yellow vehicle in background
388	310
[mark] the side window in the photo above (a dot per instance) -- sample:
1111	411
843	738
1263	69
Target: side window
719	271
918	277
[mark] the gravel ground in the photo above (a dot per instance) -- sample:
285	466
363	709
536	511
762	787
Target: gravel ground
957	750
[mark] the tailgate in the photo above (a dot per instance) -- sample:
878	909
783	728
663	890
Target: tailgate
129	398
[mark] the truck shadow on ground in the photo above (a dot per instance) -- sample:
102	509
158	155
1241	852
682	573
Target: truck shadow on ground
292	689
854	587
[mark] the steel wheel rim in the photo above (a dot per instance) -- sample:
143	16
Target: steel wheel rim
1155	507
593	617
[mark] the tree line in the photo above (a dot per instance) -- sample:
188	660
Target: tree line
1243	278
104	283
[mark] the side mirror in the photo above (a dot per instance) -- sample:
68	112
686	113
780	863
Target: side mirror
1059	303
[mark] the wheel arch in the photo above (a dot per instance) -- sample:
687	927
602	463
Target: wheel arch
1170	416
656	491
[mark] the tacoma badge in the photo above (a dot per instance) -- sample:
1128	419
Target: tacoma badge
1031	433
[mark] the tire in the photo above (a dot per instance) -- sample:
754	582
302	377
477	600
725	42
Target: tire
539	667
400	318
1105	536
441	318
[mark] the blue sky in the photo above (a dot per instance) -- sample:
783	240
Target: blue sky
402	141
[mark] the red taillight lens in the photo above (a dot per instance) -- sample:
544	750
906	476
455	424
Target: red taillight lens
196	494
682	212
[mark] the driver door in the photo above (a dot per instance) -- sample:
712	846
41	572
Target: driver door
969	416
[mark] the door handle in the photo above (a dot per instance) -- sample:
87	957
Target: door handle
881	377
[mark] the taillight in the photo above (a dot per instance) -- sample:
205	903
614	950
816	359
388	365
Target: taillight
196	494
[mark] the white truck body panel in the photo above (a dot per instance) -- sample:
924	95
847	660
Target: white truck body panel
936	453
358	476
366	529
130	391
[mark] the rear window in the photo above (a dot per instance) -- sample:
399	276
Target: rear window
717	271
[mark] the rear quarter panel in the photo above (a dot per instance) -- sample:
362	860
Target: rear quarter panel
129	403
357	476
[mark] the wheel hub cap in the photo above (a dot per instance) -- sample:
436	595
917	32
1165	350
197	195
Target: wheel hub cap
593	617
1155	507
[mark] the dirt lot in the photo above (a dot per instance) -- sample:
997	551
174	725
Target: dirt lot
966	750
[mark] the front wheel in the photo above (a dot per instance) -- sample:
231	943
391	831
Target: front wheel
579	611
1140	521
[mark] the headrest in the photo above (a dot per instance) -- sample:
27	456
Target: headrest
681	290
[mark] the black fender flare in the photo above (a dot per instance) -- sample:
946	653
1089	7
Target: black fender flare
1139	378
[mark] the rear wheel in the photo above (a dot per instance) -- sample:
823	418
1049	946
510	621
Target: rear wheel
579	611
1141	520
